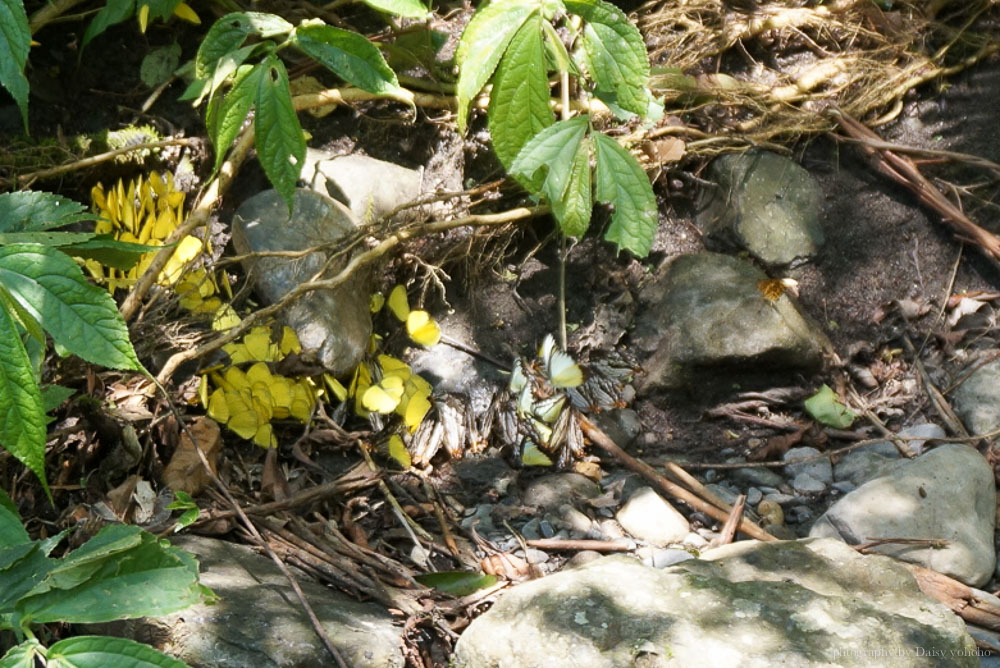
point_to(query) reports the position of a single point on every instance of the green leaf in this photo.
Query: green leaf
(22, 415)
(108, 652)
(622, 183)
(456, 583)
(6, 502)
(519, 104)
(574, 208)
(159, 9)
(21, 568)
(159, 64)
(112, 13)
(183, 501)
(545, 163)
(11, 530)
(408, 9)
(827, 409)
(616, 53)
(15, 41)
(228, 34)
(22, 656)
(232, 112)
(54, 395)
(50, 287)
(348, 55)
(109, 251)
(123, 578)
(483, 42)
(281, 147)
(33, 211)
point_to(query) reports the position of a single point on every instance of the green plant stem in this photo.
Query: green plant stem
(564, 115)
(49, 12)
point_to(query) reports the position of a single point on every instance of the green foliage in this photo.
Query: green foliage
(456, 583)
(42, 290)
(827, 409)
(223, 62)
(15, 40)
(515, 44)
(409, 9)
(556, 163)
(117, 11)
(183, 501)
(121, 573)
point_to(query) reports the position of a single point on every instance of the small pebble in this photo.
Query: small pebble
(610, 530)
(546, 529)
(804, 483)
(669, 557)
(695, 540)
(780, 498)
(532, 529)
(844, 486)
(711, 475)
(799, 514)
(754, 496)
(582, 557)
(819, 469)
(575, 519)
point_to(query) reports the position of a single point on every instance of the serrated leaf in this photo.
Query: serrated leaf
(616, 53)
(22, 415)
(483, 42)
(11, 531)
(159, 64)
(350, 56)
(22, 656)
(519, 103)
(826, 408)
(145, 579)
(15, 41)
(112, 13)
(573, 209)
(225, 67)
(54, 395)
(622, 183)
(557, 50)
(456, 583)
(34, 211)
(545, 163)
(228, 34)
(232, 113)
(408, 9)
(50, 287)
(108, 652)
(281, 147)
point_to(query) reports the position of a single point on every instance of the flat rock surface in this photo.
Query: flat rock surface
(811, 603)
(258, 622)
(947, 494)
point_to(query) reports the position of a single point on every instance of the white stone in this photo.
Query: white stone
(647, 516)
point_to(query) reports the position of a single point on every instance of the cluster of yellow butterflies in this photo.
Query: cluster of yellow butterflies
(247, 401)
(147, 211)
(421, 327)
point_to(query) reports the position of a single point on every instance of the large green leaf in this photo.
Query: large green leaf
(622, 183)
(616, 54)
(456, 583)
(148, 579)
(409, 9)
(348, 55)
(225, 123)
(22, 416)
(81, 564)
(86, 245)
(11, 530)
(228, 34)
(50, 287)
(15, 40)
(825, 407)
(112, 13)
(573, 209)
(519, 104)
(107, 652)
(545, 164)
(22, 567)
(281, 147)
(225, 67)
(34, 211)
(482, 44)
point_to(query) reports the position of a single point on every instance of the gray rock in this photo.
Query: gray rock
(818, 469)
(705, 313)
(647, 516)
(766, 204)
(922, 430)
(779, 498)
(754, 496)
(803, 483)
(481, 518)
(259, 622)
(723, 492)
(812, 603)
(611, 530)
(758, 476)
(977, 400)
(551, 491)
(576, 520)
(670, 556)
(862, 465)
(334, 324)
(946, 494)
(370, 188)
(621, 425)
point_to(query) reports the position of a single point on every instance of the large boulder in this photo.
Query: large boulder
(801, 603)
(947, 494)
(334, 324)
(705, 312)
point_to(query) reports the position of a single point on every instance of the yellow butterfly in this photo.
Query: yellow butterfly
(422, 328)
(562, 371)
(532, 456)
(398, 451)
(385, 396)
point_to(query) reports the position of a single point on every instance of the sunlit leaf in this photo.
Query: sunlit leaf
(622, 183)
(350, 56)
(826, 408)
(456, 583)
(281, 147)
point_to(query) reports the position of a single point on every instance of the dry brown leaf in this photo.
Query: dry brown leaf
(667, 149)
(776, 446)
(272, 480)
(185, 473)
(120, 498)
(590, 469)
